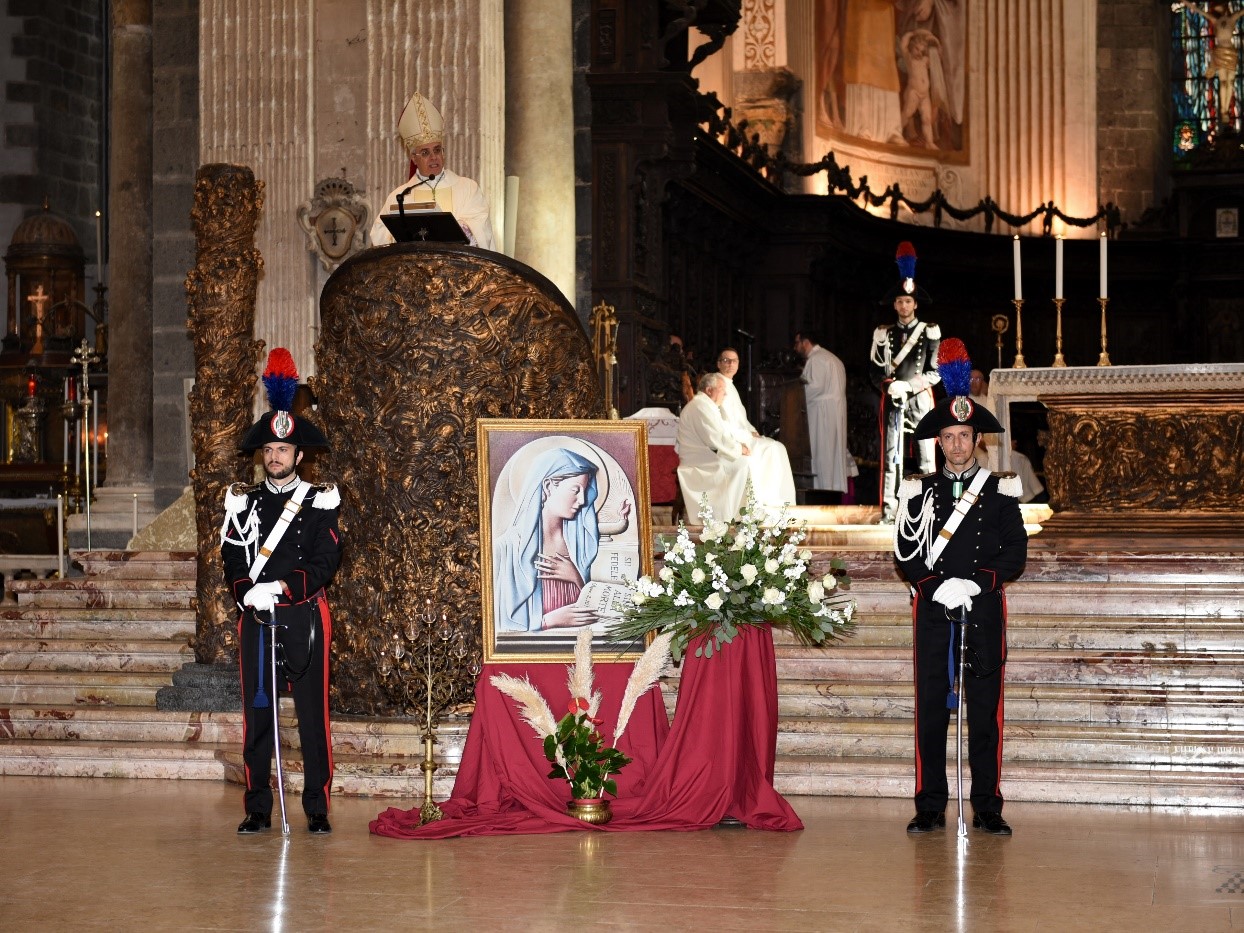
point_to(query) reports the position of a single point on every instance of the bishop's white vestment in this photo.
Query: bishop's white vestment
(462, 197)
(772, 481)
(710, 461)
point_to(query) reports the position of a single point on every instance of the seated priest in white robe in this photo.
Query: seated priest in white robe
(772, 480)
(712, 463)
(422, 133)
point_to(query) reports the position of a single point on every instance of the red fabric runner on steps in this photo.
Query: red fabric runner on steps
(716, 761)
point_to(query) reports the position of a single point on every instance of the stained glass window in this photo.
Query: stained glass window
(1206, 44)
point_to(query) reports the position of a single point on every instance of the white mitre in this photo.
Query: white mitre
(420, 123)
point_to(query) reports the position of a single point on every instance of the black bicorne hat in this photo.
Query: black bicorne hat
(905, 259)
(955, 368)
(280, 425)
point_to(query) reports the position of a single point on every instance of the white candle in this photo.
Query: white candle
(1058, 266)
(98, 246)
(1019, 288)
(95, 437)
(135, 522)
(1101, 286)
(65, 424)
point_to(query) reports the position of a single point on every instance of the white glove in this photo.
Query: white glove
(951, 593)
(899, 389)
(263, 596)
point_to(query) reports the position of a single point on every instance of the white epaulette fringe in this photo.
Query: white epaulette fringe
(327, 498)
(235, 502)
(1009, 485)
(909, 487)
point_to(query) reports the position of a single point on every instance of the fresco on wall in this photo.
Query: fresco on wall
(894, 73)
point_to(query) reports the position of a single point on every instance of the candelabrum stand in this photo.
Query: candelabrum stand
(604, 323)
(436, 686)
(1104, 359)
(86, 358)
(1019, 334)
(1058, 333)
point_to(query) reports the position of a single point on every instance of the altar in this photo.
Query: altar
(1143, 451)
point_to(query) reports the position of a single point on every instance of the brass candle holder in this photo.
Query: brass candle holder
(604, 323)
(1058, 334)
(1104, 359)
(85, 357)
(1019, 334)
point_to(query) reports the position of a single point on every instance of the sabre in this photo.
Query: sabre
(958, 695)
(900, 422)
(271, 625)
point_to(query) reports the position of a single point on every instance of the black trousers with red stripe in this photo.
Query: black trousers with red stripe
(310, 692)
(983, 710)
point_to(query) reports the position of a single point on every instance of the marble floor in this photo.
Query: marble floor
(106, 854)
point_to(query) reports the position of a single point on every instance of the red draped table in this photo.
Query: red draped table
(716, 761)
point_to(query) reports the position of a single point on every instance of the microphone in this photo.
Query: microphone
(401, 195)
(746, 335)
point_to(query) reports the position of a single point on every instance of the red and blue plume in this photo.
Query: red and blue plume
(905, 257)
(280, 379)
(955, 367)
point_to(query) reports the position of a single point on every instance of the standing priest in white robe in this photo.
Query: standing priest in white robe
(772, 481)
(825, 390)
(422, 132)
(712, 462)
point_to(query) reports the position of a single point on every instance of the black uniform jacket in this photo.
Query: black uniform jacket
(306, 556)
(921, 360)
(989, 548)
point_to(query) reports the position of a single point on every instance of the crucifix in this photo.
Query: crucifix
(39, 300)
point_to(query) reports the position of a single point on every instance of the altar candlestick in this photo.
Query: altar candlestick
(95, 435)
(1058, 267)
(1101, 288)
(1019, 288)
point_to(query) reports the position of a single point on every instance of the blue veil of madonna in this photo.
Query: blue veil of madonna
(516, 588)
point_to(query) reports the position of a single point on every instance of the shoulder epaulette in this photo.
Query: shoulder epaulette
(909, 487)
(932, 331)
(237, 496)
(326, 496)
(1009, 485)
(922, 476)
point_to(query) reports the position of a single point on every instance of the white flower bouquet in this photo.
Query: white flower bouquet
(739, 573)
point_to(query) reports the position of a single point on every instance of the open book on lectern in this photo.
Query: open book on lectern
(424, 224)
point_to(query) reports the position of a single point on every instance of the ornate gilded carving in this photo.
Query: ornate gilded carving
(1161, 452)
(759, 33)
(416, 343)
(220, 292)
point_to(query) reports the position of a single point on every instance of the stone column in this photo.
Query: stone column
(539, 148)
(130, 265)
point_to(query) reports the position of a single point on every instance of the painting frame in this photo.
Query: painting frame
(524, 464)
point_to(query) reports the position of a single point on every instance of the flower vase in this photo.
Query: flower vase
(595, 810)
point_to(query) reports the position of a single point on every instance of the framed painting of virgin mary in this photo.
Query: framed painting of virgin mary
(564, 526)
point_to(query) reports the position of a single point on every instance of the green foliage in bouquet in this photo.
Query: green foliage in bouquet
(579, 754)
(743, 572)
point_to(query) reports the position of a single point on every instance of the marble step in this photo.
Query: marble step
(1055, 782)
(352, 736)
(117, 724)
(1025, 666)
(1156, 636)
(353, 776)
(1082, 602)
(69, 655)
(172, 760)
(56, 594)
(1109, 743)
(137, 565)
(97, 624)
(1165, 706)
(81, 688)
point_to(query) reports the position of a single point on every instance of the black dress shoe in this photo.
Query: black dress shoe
(925, 821)
(254, 822)
(730, 822)
(992, 823)
(319, 823)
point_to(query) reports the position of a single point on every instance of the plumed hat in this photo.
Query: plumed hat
(419, 123)
(279, 426)
(955, 368)
(905, 259)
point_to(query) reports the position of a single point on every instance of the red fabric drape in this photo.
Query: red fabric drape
(717, 760)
